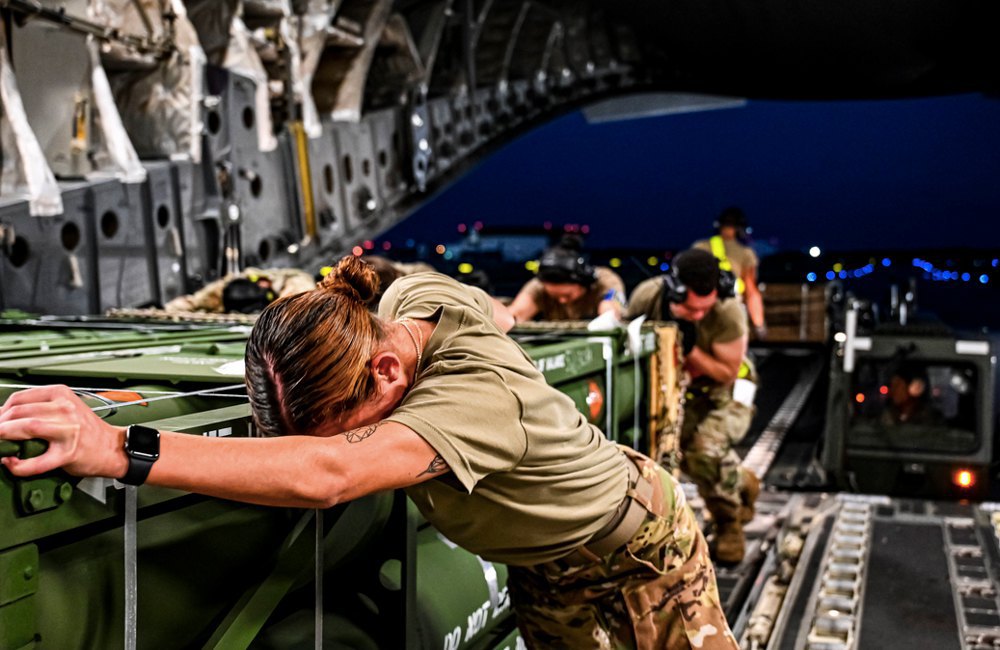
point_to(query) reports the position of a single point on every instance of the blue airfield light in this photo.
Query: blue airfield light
(966, 277)
(995, 262)
(886, 261)
(983, 279)
(830, 275)
(664, 266)
(410, 243)
(842, 274)
(811, 277)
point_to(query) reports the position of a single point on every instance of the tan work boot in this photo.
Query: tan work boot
(729, 543)
(748, 495)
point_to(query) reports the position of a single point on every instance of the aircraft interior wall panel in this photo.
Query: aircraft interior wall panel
(388, 163)
(199, 218)
(51, 268)
(53, 89)
(162, 219)
(326, 183)
(123, 262)
(357, 158)
(443, 138)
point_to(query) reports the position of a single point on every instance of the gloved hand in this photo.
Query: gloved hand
(688, 335)
(760, 332)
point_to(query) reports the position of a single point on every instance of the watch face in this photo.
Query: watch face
(142, 442)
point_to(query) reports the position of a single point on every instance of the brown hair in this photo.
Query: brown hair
(307, 356)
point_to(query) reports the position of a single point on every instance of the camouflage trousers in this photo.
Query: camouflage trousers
(656, 591)
(710, 429)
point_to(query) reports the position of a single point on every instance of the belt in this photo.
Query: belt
(629, 515)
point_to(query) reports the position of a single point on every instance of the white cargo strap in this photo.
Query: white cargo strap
(492, 582)
(608, 352)
(318, 614)
(131, 570)
(635, 346)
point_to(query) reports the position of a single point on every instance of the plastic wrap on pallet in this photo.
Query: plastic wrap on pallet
(160, 103)
(212, 19)
(27, 172)
(120, 148)
(307, 35)
(242, 58)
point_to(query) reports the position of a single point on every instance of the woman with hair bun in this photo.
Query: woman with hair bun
(430, 395)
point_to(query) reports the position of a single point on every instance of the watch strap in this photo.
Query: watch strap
(138, 470)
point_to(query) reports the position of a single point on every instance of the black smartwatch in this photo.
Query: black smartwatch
(142, 446)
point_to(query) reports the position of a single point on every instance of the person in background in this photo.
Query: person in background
(735, 256)
(431, 395)
(700, 297)
(567, 287)
(246, 292)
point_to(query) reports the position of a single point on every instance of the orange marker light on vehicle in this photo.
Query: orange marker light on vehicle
(964, 478)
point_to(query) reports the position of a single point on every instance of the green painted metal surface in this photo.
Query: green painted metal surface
(218, 574)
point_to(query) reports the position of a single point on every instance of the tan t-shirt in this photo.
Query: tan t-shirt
(726, 321)
(531, 479)
(586, 306)
(741, 257)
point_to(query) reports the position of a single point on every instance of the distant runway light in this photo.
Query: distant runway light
(966, 277)
(440, 249)
(860, 398)
(615, 262)
(840, 337)
(983, 279)
(652, 261)
(815, 251)
(830, 275)
(358, 251)
(811, 277)
(842, 275)
(462, 227)
(886, 261)
(465, 267)
(664, 266)
(995, 262)
(838, 267)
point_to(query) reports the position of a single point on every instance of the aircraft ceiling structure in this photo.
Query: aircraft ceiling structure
(152, 145)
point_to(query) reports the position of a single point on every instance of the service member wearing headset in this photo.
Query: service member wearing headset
(700, 298)
(567, 287)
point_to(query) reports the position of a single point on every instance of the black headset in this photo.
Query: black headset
(675, 291)
(561, 265)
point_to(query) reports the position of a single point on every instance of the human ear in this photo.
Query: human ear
(387, 368)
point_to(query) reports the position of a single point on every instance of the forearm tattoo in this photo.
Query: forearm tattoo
(437, 466)
(360, 434)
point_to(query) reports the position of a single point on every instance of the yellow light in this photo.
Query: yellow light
(325, 271)
(440, 249)
(964, 478)
(615, 262)
(652, 261)
(838, 267)
(465, 267)
(531, 265)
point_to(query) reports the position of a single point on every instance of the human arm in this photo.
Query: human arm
(753, 299)
(524, 307)
(502, 316)
(722, 364)
(290, 471)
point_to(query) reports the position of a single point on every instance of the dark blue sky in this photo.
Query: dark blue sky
(843, 175)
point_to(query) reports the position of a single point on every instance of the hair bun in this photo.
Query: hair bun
(353, 278)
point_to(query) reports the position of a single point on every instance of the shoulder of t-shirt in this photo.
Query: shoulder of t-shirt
(608, 279)
(421, 294)
(730, 317)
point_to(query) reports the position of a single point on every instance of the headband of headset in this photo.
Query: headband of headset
(675, 291)
(561, 265)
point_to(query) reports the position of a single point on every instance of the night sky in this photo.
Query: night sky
(849, 175)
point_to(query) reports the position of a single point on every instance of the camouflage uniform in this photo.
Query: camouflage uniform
(656, 591)
(209, 298)
(713, 423)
